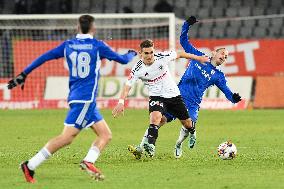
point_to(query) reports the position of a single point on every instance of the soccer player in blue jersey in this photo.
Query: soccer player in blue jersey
(83, 55)
(196, 79)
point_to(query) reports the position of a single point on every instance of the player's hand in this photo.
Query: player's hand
(236, 97)
(132, 51)
(18, 80)
(203, 59)
(118, 110)
(191, 20)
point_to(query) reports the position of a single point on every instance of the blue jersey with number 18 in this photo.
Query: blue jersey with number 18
(83, 55)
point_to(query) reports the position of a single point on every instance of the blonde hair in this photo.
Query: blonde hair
(219, 49)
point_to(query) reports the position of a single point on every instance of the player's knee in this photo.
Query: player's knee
(107, 137)
(163, 121)
(156, 118)
(187, 123)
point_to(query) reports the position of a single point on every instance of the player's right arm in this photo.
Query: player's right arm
(185, 43)
(55, 53)
(119, 108)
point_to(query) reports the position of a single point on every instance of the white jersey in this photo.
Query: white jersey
(157, 76)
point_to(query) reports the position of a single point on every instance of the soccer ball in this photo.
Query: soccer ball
(227, 150)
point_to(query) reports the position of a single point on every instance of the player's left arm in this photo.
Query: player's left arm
(108, 53)
(222, 85)
(20, 79)
(201, 59)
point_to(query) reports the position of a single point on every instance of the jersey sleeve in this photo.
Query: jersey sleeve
(168, 56)
(222, 85)
(106, 52)
(185, 43)
(133, 76)
(55, 53)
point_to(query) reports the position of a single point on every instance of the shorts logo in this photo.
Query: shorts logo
(84, 123)
(158, 103)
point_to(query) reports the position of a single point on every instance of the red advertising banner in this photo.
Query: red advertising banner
(246, 58)
(249, 57)
(267, 96)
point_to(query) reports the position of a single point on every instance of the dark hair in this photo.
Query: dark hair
(85, 23)
(146, 43)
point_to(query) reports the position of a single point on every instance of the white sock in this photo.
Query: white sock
(39, 158)
(144, 139)
(92, 155)
(183, 134)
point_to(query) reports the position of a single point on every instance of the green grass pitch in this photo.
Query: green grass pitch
(258, 135)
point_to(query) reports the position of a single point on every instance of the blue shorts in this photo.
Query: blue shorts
(82, 115)
(192, 110)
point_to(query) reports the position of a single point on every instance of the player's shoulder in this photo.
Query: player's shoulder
(163, 54)
(138, 66)
(75, 40)
(219, 70)
(70, 40)
(220, 73)
(99, 43)
(159, 56)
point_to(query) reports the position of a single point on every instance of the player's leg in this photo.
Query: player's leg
(188, 128)
(149, 139)
(163, 121)
(192, 136)
(104, 135)
(65, 138)
(73, 124)
(178, 146)
(178, 110)
(152, 133)
(193, 111)
(183, 134)
(156, 107)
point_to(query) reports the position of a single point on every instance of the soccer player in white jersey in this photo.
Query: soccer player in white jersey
(83, 55)
(164, 95)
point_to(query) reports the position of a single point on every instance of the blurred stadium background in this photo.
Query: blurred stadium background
(251, 30)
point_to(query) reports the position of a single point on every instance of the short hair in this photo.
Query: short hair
(219, 49)
(146, 43)
(85, 23)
